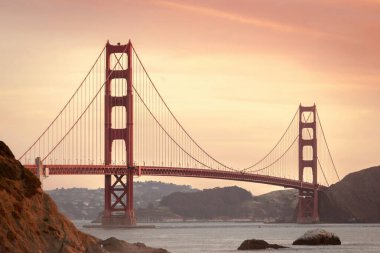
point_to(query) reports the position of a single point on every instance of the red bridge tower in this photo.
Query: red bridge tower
(307, 141)
(118, 195)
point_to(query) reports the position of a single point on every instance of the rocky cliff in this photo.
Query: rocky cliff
(356, 198)
(30, 221)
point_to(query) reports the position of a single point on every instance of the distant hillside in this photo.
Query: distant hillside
(276, 206)
(233, 203)
(83, 203)
(356, 198)
(211, 203)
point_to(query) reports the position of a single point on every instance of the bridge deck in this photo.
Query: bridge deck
(176, 172)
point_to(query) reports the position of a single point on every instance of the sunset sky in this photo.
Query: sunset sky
(233, 72)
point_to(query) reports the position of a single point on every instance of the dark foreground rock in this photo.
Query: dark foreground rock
(254, 244)
(114, 245)
(30, 221)
(318, 237)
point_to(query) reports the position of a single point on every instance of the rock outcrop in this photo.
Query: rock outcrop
(30, 221)
(254, 244)
(114, 245)
(318, 237)
(356, 198)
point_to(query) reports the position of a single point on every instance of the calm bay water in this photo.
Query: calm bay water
(227, 236)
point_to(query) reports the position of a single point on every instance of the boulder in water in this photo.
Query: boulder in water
(254, 244)
(114, 245)
(318, 237)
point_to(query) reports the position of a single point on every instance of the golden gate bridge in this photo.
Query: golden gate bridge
(118, 125)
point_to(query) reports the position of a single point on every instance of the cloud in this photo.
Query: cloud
(257, 22)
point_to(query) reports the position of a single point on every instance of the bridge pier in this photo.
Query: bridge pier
(118, 197)
(118, 188)
(308, 207)
(307, 141)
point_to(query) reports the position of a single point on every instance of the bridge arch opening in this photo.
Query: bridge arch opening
(118, 153)
(118, 87)
(307, 153)
(308, 174)
(119, 117)
(307, 117)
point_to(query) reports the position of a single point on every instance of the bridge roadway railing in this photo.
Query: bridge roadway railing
(174, 172)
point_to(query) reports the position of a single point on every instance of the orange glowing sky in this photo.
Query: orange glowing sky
(233, 72)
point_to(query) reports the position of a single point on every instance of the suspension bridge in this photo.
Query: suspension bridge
(118, 125)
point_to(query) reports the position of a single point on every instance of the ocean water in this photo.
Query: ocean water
(227, 236)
